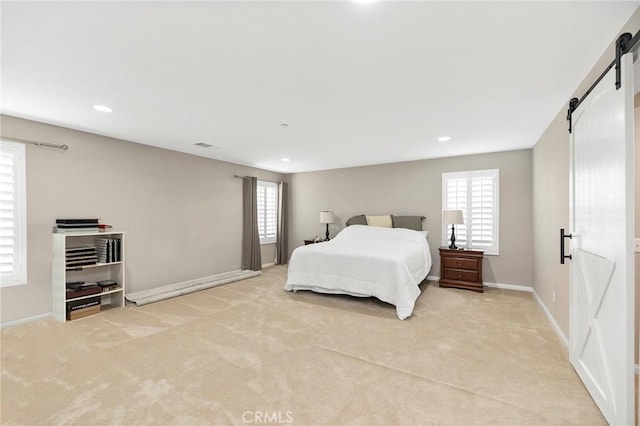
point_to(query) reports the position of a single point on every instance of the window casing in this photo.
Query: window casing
(476, 193)
(13, 215)
(267, 211)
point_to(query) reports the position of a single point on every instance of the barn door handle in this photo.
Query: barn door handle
(562, 237)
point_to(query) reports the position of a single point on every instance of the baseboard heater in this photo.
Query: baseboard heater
(173, 290)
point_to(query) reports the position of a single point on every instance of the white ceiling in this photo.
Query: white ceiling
(356, 84)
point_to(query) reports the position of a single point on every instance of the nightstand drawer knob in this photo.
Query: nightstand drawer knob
(460, 275)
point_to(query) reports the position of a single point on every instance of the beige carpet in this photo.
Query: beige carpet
(251, 353)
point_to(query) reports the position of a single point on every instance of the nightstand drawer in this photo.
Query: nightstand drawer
(460, 275)
(461, 263)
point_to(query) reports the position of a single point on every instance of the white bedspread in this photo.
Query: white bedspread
(364, 261)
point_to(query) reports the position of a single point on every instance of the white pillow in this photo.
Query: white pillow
(425, 233)
(381, 221)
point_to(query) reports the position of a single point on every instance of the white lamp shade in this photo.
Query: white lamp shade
(326, 217)
(452, 217)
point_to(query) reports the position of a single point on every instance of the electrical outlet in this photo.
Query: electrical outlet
(553, 295)
(637, 240)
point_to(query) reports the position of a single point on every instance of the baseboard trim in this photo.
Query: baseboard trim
(516, 287)
(495, 285)
(268, 265)
(553, 322)
(25, 320)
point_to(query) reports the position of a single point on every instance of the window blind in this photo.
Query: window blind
(267, 199)
(13, 265)
(476, 194)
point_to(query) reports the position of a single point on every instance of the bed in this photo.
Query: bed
(365, 261)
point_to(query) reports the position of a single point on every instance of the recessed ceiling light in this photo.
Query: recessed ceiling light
(284, 125)
(444, 138)
(203, 145)
(286, 160)
(102, 108)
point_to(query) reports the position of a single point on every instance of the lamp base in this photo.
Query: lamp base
(453, 246)
(327, 234)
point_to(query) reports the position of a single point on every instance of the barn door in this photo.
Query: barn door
(601, 314)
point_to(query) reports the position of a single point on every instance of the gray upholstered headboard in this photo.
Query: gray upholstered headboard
(409, 222)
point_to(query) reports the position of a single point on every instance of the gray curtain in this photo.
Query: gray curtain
(281, 238)
(250, 238)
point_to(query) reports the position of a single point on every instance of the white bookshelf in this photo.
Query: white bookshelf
(89, 273)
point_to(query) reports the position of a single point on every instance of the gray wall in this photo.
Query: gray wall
(181, 214)
(415, 188)
(551, 197)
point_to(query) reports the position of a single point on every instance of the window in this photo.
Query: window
(476, 194)
(13, 215)
(267, 211)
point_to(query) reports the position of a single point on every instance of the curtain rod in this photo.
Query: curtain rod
(50, 145)
(249, 177)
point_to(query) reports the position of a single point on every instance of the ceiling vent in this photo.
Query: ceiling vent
(203, 145)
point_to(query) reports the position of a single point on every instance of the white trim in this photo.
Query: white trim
(510, 287)
(515, 287)
(553, 322)
(469, 176)
(25, 320)
(267, 265)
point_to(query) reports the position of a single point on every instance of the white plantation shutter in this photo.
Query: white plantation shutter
(13, 230)
(456, 199)
(476, 194)
(267, 211)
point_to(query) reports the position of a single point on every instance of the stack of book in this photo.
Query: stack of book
(108, 250)
(80, 288)
(77, 257)
(76, 225)
(83, 307)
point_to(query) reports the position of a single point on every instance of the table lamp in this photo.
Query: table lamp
(453, 217)
(327, 217)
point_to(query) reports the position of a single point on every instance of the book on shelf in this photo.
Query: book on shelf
(78, 285)
(84, 312)
(74, 305)
(58, 230)
(87, 291)
(81, 262)
(72, 221)
(108, 249)
(108, 285)
(77, 225)
(86, 257)
(80, 249)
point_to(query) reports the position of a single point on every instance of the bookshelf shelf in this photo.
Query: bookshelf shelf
(97, 265)
(64, 241)
(89, 296)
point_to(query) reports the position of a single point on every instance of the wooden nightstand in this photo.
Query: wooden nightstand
(461, 269)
